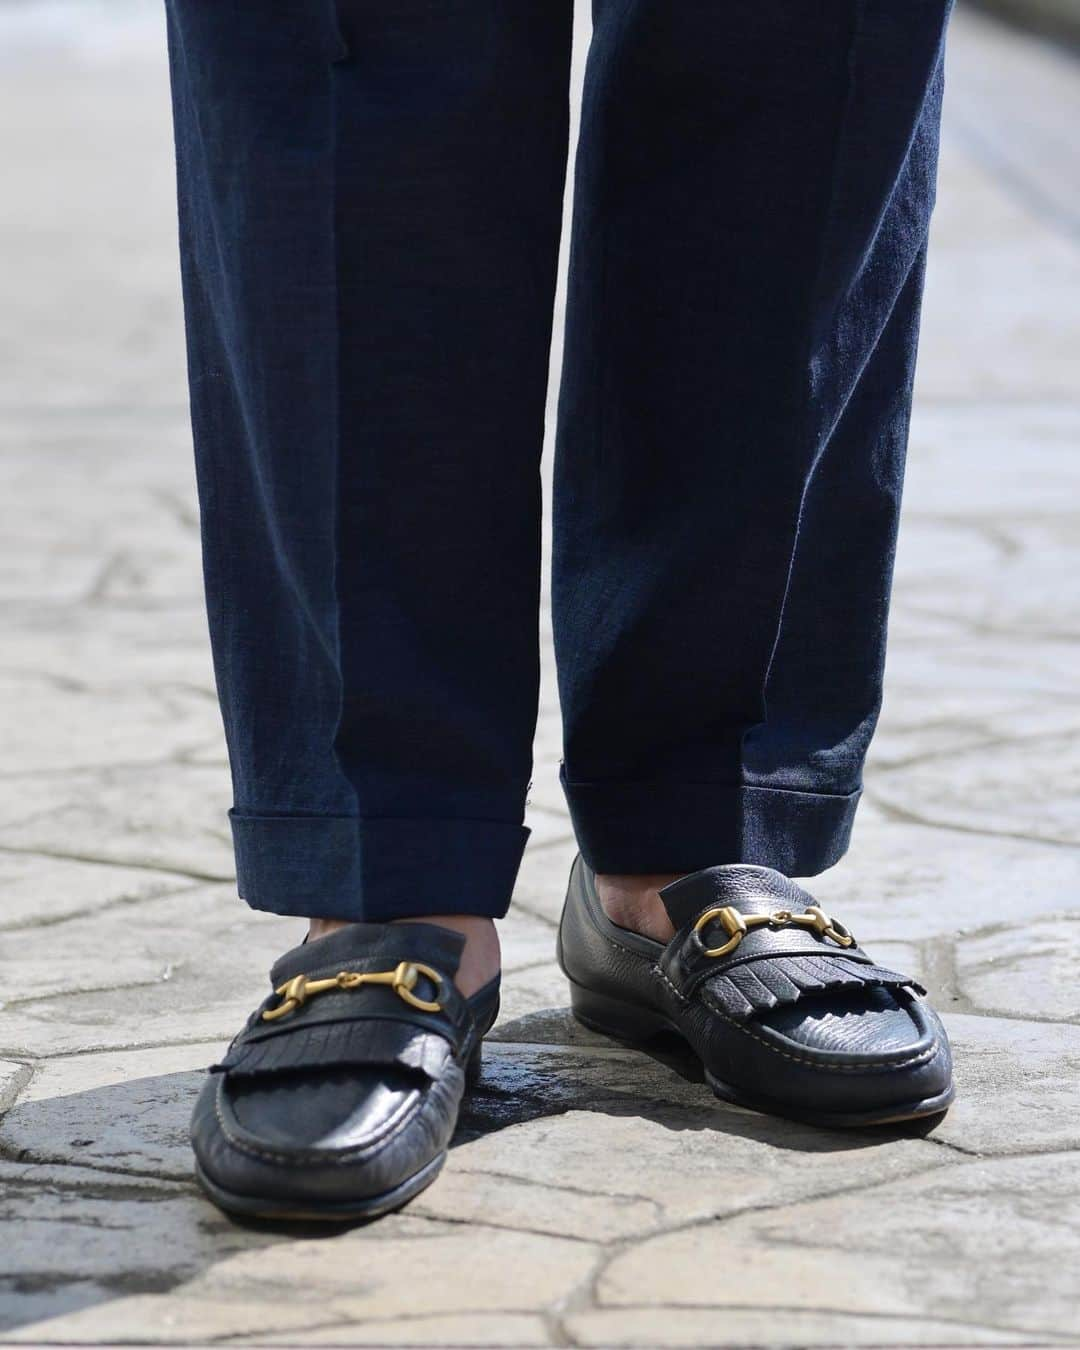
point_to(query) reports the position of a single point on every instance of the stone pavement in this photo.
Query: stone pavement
(595, 1195)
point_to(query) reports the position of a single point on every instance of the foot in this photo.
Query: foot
(787, 1013)
(633, 902)
(480, 959)
(338, 1098)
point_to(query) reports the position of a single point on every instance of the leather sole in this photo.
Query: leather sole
(371, 1207)
(630, 1022)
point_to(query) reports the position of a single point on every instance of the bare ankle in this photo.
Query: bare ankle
(318, 928)
(632, 901)
(481, 957)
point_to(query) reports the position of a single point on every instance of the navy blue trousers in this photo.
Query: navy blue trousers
(370, 202)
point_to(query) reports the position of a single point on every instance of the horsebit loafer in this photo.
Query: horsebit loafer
(339, 1097)
(785, 1010)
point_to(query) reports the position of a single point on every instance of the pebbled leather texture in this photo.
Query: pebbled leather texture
(346, 1106)
(788, 1021)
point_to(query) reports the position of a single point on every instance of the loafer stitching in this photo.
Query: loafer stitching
(653, 966)
(662, 975)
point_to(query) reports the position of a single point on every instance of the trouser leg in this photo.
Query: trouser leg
(754, 187)
(370, 196)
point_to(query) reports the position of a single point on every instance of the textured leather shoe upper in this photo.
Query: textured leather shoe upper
(770, 966)
(346, 1080)
(778, 1000)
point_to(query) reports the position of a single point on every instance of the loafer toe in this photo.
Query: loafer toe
(884, 1050)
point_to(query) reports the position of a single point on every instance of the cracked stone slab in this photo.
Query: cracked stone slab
(527, 944)
(176, 1320)
(133, 1128)
(649, 1325)
(123, 532)
(109, 646)
(941, 713)
(185, 1318)
(577, 1114)
(542, 877)
(1017, 1085)
(910, 882)
(433, 1329)
(368, 1274)
(1024, 969)
(129, 1110)
(97, 308)
(64, 726)
(13, 1077)
(960, 656)
(167, 816)
(170, 814)
(120, 1118)
(70, 1075)
(998, 69)
(146, 577)
(991, 1242)
(566, 1170)
(1004, 790)
(971, 460)
(88, 1236)
(546, 790)
(535, 998)
(40, 891)
(1021, 345)
(1003, 580)
(541, 1112)
(181, 968)
(548, 824)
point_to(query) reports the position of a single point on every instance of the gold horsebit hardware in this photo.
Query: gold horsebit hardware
(737, 925)
(402, 979)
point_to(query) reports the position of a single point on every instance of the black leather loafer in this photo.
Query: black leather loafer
(339, 1097)
(785, 1010)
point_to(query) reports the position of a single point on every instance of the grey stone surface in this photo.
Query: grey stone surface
(181, 968)
(994, 1242)
(645, 1326)
(13, 1076)
(1024, 969)
(39, 890)
(595, 1194)
(1016, 1087)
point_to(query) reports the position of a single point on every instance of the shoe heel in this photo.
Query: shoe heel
(474, 1064)
(614, 1017)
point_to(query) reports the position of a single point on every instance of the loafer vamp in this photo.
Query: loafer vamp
(825, 1062)
(325, 1110)
(344, 1086)
(870, 1020)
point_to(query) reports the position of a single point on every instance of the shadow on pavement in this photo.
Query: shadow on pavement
(100, 1181)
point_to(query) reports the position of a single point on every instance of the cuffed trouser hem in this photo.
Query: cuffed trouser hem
(347, 867)
(683, 827)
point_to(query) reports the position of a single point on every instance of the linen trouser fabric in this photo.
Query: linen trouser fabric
(370, 203)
